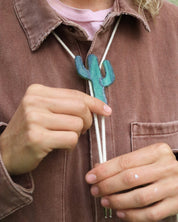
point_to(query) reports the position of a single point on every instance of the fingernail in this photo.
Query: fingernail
(91, 178)
(105, 202)
(107, 109)
(94, 190)
(120, 214)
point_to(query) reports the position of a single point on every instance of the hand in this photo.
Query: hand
(142, 186)
(47, 118)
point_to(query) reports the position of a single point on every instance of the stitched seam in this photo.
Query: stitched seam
(20, 18)
(92, 164)
(63, 187)
(139, 18)
(93, 44)
(135, 15)
(110, 19)
(132, 137)
(30, 182)
(41, 37)
(111, 127)
(15, 209)
(96, 210)
(156, 134)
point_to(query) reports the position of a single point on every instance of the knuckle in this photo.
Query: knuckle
(153, 215)
(141, 199)
(172, 167)
(83, 107)
(79, 124)
(73, 140)
(163, 149)
(96, 105)
(93, 102)
(27, 101)
(90, 121)
(31, 117)
(175, 167)
(34, 137)
(104, 187)
(33, 88)
(123, 162)
(129, 178)
(101, 170)
(39, 154)
(78, 94)
(116, 203)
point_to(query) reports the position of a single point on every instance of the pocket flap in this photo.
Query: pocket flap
(144, 134)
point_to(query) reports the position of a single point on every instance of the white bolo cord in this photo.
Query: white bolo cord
(98, 138)
(103, 128)
(102, 150)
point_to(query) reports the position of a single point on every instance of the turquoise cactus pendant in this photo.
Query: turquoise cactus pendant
(93, 73)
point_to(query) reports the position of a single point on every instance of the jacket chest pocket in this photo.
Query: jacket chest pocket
(145, 134)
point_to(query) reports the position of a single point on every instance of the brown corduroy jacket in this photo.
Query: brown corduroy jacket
(144, 99)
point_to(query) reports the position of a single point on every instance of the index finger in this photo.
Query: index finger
(95, 105)
(141, 157)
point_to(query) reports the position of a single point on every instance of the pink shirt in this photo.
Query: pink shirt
(90, 21)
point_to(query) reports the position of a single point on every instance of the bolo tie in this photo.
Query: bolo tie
(97, 84)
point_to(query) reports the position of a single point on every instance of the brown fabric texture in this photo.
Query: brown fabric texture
(144, 99)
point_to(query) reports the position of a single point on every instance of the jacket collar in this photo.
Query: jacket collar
(38, 20)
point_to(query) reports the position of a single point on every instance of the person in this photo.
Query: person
(49, 167)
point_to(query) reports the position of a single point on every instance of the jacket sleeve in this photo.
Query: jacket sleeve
(15, 192)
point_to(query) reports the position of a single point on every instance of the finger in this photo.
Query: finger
(44, 141)
(156, 212)
(143, 196)
(133, 177)
(52, 121)
(141, 157)
(51, 92)
(61, 139)
(95, 105)
(68, 106)
(72, 107)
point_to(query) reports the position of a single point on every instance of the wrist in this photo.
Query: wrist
(4, 153)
